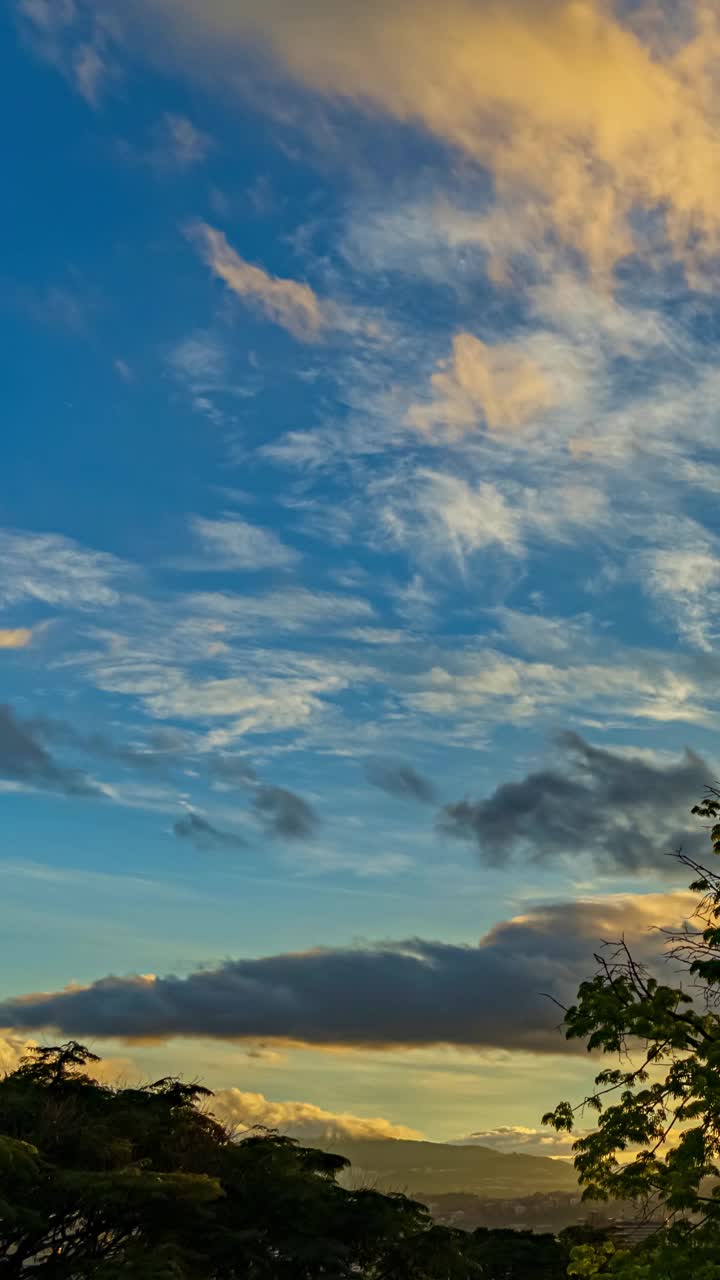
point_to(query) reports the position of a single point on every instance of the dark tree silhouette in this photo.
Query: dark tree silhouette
(140, 1183)
(658, 1136)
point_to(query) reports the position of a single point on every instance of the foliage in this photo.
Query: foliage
(657, 1140)
(143, 1184)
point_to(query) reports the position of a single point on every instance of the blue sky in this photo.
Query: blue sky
(359, 558)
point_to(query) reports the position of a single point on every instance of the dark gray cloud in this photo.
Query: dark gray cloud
(24, 758)
(233, 770)
(283, 813)
(407, 993)
(163, 750)
(204, 835)
(399, 779)
(627, 814)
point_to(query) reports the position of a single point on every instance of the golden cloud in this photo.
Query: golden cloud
(289, 303)
(302, 1119)
(15, 637)
(581, 117)
(500, 384)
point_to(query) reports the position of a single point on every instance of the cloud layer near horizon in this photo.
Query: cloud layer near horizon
(393, 995)
(242, 1110)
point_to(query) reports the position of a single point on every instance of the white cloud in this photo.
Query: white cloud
(375, 635)
(294, 609)
(685, 581)
(438, 514)
(499, 687)
(446, 515)
(517, 1137)
(89, 71)
(54, 570)
(74, 40)
(232, 543)
(266, 705)
(200, 359)
(180, 145)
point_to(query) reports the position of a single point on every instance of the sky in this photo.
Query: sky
(359, 554)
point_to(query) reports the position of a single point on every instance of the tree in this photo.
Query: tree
(662, 1099)
(143, 1184)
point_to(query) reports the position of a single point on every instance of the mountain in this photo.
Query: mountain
(441, 1168)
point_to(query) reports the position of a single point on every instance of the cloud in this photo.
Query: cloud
(289, 303)
(73, 39)
(236, 544)
(231, 770)
(163, 748)
(301, 1120)
(282, 813)
(89, 72)
(201, 833)
(52, 569)
(443, 514)
(23, 759)
(269, 704)
(12, 1050)
(15, 637)
(399, 779)
(501, 385)
(394, 995)
(516, 1137)
(684, 580)
(180, 144)
(626, 814)
(490, 686)
(438, 514)
(586, 114)
(201, 360)
(289, 609)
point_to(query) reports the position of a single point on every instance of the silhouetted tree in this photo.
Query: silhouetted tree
(662, 1099)
(143, 1184)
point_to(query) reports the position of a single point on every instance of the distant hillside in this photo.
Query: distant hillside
(440, 1168)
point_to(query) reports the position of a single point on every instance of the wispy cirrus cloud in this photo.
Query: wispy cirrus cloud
(232, 543)
(75, 40)
(54, 570)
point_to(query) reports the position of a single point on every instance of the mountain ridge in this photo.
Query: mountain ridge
(441, 1167)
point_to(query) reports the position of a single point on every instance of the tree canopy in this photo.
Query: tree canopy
(140, 1183)
(657, 1140)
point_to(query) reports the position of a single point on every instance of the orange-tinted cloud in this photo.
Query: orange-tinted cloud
(289, 303)
(499, 384)
(301, 1119)
(15, 637)
(580, 115)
